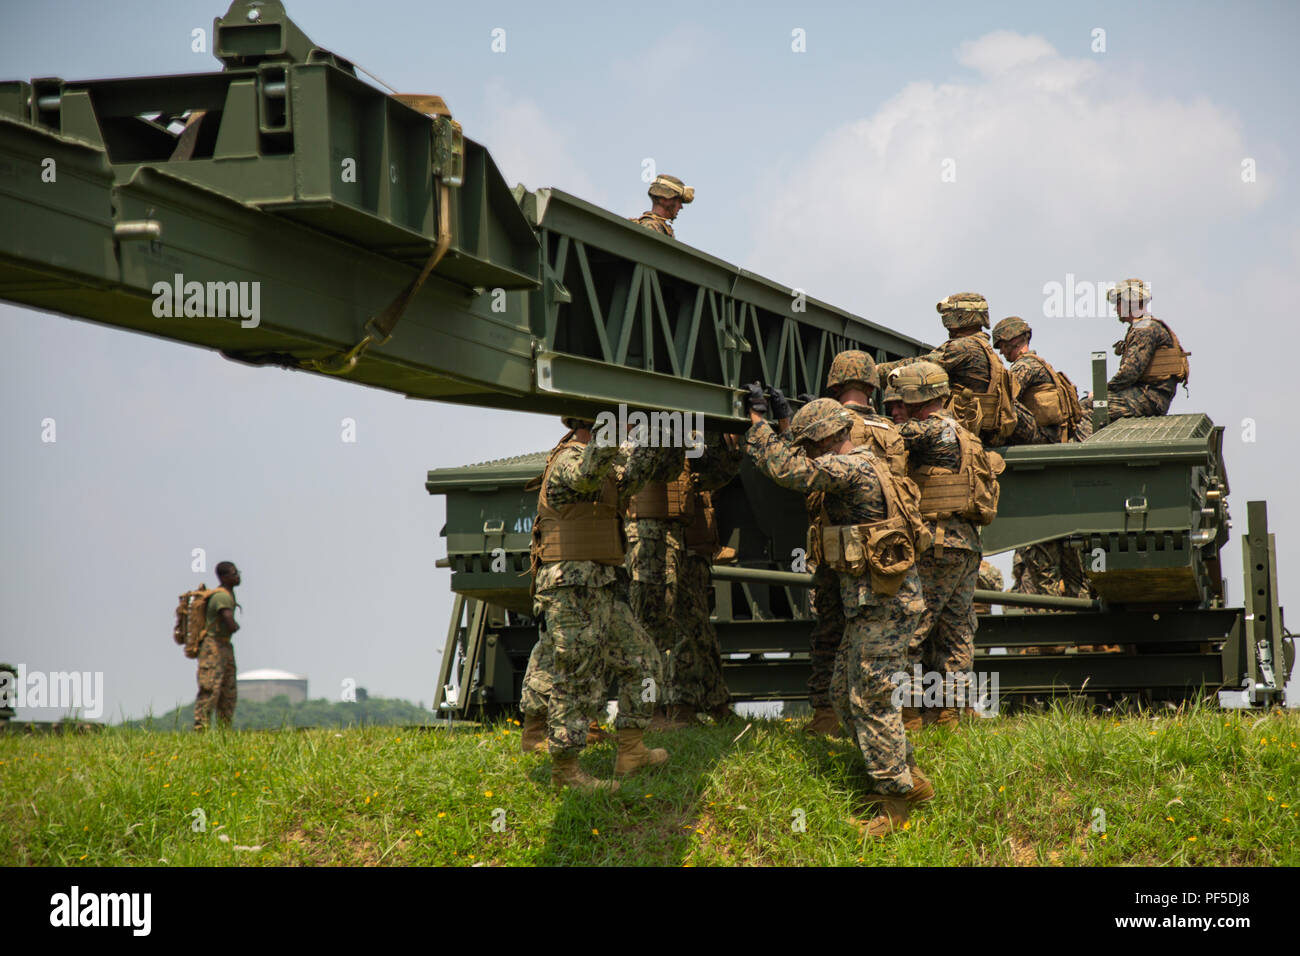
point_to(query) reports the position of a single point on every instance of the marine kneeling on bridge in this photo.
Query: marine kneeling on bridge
(869, 533)
(580, 588)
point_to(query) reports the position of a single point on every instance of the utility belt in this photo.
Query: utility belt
(884, 548)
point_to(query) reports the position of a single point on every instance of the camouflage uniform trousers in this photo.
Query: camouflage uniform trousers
(647, 565)
(594, 638)
(827, 635)
(944, 639)
(1138, 401)
(873, 651)
(1043, 568)
(538, 678)
(696, 661)
(217, 686)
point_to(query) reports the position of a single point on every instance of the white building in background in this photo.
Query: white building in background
(262, 685)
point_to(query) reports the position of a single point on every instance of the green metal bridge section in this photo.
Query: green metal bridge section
(285, 212)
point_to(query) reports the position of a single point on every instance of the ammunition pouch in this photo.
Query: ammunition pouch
(883, 548)
(1045, 402)
(1166, 363)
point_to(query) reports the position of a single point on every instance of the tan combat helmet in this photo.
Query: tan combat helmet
(577, 421)
(961, 310)
(852, 366)
(1130, 289)
(670, 187)
(891, 395)
(919, 382)
(1012, 327)
(820, 418)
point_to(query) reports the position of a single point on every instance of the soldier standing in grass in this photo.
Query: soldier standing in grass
(852, 380)
(869, 530)
(218, 689)
(579, 585)
(1152, 360)
(958, 492)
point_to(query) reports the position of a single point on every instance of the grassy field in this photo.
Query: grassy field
(1193, 787)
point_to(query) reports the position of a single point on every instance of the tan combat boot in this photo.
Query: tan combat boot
(912, 719)
(665, 718)
(825, 722)
(565, 772)
(725, 556)
(894, 812)
(534, 736)
(595, 735)
(922, 789)
(633, 754)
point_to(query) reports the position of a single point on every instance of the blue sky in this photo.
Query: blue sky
(820, 169)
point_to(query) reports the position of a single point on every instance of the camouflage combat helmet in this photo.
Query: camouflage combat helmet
(891, 395)
(1130, 289)
(1012, 327)
(577, 421)
(961, 310)
(820, 418)
(919, 382)
(852, 366)
(670, 187)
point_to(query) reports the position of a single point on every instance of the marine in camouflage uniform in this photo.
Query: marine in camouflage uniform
(967, 357)
(874, 650)
(696, 660)
(593, 636)
(944, 639)
(218, 686)
(667, 196)
(851, 381)
(1129, 393)
(1038, 568)
(989, 578)
(647, 554)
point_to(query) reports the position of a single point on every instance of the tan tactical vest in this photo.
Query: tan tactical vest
(701, 537)
(1168, 361)
(972, 492)
(1055, 402)
(582, 531)
(886, 548)
(664, 499)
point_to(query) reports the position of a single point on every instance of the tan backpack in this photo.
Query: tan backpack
(192, 619)
(1168, 361)
(972, 492)
(998, 404)
(1054, 404)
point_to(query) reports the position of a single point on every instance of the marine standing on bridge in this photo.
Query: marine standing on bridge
(218, 688)
(852, 380)
(959, 492)
(870, 531)
(578, 583)
(1152, 360)
(667, 196)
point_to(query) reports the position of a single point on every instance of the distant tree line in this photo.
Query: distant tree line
(278, 712)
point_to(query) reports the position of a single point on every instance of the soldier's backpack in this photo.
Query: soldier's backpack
(972, 492)
(192, 619)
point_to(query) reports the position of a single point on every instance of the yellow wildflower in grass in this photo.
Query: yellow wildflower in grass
(907, 824)
(1170, 819)
(236, 773)
(487, 793)
(1191, 839)
(1151, 734)
(1285, 805)
(419, 833)
(1264, 741)
(1103, 836)
(649, 795)
(87, 827)
(1227, 820)
(1000, 789)
(441, 814)
(166, 785)
(1270, 798)
(83, 856)
(595, 832)
(367, 799)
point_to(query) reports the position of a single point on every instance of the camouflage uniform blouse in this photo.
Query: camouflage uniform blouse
(852, 495)
(1143, 337)
(655, 223)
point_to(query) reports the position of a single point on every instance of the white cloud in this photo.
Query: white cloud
(530, 144)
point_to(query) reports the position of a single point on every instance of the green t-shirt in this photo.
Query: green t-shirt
(216, 603)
